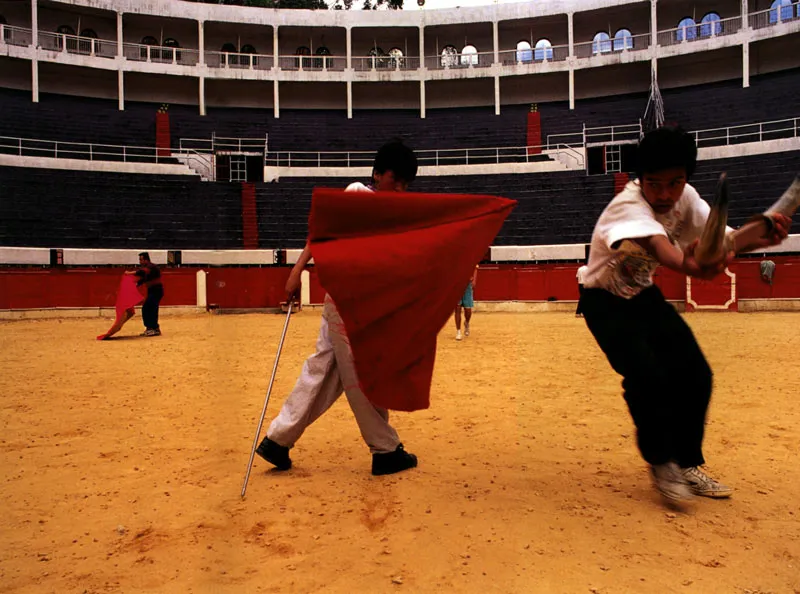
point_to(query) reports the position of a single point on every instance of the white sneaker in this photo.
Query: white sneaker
(458, 334)
(466, 329)
(670, 481)
(705, 486)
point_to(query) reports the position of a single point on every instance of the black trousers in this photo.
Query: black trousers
(666, 379)
(150, 306)
(578, 310)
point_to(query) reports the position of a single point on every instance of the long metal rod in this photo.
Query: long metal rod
(266, 401)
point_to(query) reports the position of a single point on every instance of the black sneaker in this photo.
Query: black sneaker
(274, 453)
(393, 461)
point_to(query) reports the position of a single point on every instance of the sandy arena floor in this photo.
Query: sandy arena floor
(124, 460)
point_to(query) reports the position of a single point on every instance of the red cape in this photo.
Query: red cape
(396, 266)
(128, 296)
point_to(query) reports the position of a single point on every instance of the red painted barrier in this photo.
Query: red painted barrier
(253, 287)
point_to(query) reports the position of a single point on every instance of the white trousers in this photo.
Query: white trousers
(325, 375)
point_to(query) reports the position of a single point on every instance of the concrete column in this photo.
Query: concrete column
(202, 295)
(349, 47)
(654, 68)
(745, 14)
(653, 23)
(421, 46)
(276, 98)
(305, 288)
(35, 43)
(202, 94)
(571, 33)
(496, 40)
(121, 89)
(745, 64)
(497, 94)
(349, 99)
(275, 52)
(422, 99)
(35, 23)
(572, 88)
(120, 38)
(201, 43)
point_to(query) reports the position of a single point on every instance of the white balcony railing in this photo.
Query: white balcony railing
(619, 45)
(161, 54)
(775, 16)
(428, 158)
(16, 35)
(555, 53)
(238, 61)
(700, 31)
(385, 63)
(75, 44)
(453, 61)
(313, 63)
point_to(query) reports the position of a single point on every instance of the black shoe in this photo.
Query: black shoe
(274, 453)
(393, 461)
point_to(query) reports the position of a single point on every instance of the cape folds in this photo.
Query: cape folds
(396, 265)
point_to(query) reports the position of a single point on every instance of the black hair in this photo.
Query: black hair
(665, 148)
(145, 255)
(396, 157)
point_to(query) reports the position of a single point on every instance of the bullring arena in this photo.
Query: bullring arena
(197, 132)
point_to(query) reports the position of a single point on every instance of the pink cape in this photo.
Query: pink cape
(396, 266)
(128, 296)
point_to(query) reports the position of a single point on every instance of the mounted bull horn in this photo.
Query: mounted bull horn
(714, 245)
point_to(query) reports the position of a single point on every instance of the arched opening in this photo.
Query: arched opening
(322, 62)
(687, 30)
(623, 40)
(524, 52)
(710, 25)
(449, 57)
(396, 58)
(601, 44)
(543, 51)
(469, 55)
(68, 33)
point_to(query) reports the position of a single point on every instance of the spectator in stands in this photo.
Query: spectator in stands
(580, 276)
(150, 277)
(667, 382)
(330, 369)
(467, 303)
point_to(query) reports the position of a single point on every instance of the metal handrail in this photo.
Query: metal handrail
(92, 151)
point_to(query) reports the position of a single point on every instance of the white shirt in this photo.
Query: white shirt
(622, 266)
(358, 187)
(581, 274)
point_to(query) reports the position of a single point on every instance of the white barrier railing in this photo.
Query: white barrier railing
(160, 54)
(699, 31)
(774, 16)
(613, 45)
(75, 44)
(758, 132)
(430, 157)
(238, 61)
(553, 53)
(16, 35)
(459, 60)
(30, 147)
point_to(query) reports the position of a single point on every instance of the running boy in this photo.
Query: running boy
(667, 382)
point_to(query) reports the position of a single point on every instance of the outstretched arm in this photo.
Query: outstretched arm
(293, 283)
(684, 261)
